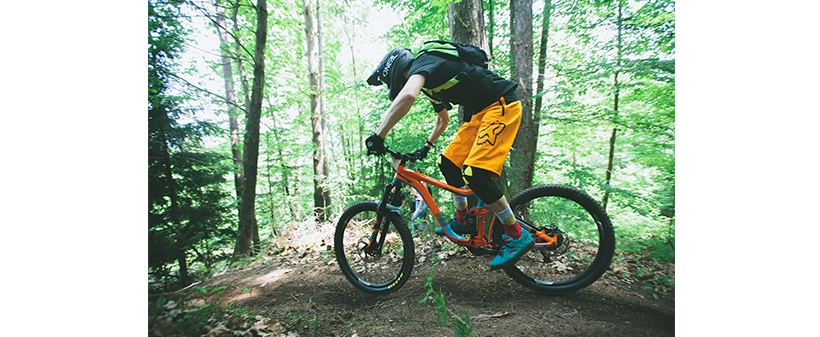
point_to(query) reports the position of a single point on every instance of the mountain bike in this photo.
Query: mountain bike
(574, 239)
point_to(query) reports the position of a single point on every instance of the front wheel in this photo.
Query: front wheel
(574, 239)
(375, 252)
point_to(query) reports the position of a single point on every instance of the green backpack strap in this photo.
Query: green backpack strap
(445, 48)
(438, 46)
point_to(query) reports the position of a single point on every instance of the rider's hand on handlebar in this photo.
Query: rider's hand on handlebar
(421, 153)
(375, 145)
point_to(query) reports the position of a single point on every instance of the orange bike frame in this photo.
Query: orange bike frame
(415, 179)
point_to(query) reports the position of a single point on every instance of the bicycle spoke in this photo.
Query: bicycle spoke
(580, 238)
(368, 265)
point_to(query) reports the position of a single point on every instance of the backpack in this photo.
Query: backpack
(466, 53)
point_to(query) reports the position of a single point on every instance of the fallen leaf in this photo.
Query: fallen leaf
(218, 331)
(500, 315)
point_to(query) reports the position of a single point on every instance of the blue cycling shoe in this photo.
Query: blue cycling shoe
(512, 250)
(457, 227)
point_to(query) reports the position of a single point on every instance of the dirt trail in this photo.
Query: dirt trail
(309, 295)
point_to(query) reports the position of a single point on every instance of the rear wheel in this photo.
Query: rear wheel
(573, 235)
(377, 264)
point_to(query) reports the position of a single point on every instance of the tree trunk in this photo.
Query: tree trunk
(491, 29)
(230, 95)
(523, 153)
(183, 269)
(542, 66)
(243, 77)
(321, 197)
(325, 166)
(247, 212)
(350, 32)
(466, 21)
(611, 163)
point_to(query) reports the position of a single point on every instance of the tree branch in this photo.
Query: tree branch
(241, 108)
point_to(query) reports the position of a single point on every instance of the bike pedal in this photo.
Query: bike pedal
(482, 250)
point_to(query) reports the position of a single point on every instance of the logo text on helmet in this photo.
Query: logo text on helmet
(388, 64)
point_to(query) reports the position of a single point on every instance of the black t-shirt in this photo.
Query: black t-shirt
(479, 89)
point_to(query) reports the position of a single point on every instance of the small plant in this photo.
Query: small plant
(461, 326)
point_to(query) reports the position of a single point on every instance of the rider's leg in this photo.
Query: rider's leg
(498, 127)
(483, 186)
(452, 174)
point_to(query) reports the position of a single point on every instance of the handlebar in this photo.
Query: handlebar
(403, 157)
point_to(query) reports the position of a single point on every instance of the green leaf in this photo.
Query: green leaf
(160, 301)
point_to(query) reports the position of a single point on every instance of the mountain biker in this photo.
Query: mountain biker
(482, 143)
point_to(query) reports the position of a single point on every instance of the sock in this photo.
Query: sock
(461, 207)
(511, 226)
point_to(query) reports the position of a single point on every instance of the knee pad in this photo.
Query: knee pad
(451, 172)
(481, 184)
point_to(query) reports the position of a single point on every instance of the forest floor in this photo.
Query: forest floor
(297, 289)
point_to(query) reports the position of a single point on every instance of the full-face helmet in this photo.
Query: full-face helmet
(390, 71)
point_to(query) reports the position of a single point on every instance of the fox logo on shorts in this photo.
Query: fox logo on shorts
(490, 134)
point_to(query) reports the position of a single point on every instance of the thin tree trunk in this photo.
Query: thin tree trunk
(183, 269)
(539, 91)
(320, 195)
(325, 163)
(611, 163)
(247, 212)
(350, 32)
(491, 36)
(286, 173)
(609, 166)
(522, 155)
(243, 78)
(542, 66)
(230, 95)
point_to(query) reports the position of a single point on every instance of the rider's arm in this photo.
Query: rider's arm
(401, 105)
(442, 119)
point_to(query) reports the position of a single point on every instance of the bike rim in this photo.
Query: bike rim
(576, 261)
(376, 271)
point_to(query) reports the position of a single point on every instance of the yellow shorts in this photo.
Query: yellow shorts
(486, 140)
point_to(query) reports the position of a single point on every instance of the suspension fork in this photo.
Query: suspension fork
(381, 227)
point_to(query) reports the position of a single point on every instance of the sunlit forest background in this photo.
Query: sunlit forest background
(75, 131)
(294, 109)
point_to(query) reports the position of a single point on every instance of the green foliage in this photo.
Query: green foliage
(191, 203)
(195, 320)
(461, 325)
(422, 20)
(189, 210)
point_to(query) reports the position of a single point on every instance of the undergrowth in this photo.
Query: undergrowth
(461, 325)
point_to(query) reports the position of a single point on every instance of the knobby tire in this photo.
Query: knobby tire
(588, 239)
(384, 271)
